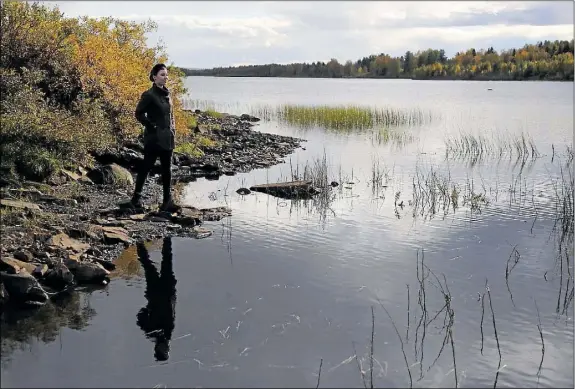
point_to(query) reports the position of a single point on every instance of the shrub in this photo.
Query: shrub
(69, 86)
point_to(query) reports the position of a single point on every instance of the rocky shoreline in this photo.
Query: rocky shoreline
(67, 232)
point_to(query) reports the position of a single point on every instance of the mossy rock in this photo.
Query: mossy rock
(111, 174)
(37, 165)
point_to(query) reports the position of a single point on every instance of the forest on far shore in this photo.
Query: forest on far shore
(548, 60)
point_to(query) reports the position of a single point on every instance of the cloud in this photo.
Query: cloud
(206, 34)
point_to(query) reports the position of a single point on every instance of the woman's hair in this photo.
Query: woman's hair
(156, 69)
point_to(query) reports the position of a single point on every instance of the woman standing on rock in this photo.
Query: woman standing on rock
(155, 112)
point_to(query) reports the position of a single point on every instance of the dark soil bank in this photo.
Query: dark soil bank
(65, 233)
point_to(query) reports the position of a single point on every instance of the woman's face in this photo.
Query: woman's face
(161, 77)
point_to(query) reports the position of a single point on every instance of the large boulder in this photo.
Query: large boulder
(111, 174)
(59, 277)
(24, 288)
(15, 266)
(87, 272)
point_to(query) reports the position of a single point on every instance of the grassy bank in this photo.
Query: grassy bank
(69, 88)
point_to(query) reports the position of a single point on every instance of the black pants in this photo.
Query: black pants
(151, 154)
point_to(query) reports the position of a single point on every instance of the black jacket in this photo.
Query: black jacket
(154, 111)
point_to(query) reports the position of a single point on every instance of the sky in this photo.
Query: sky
(230, 33)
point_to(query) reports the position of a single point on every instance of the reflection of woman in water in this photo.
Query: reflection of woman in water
(157, 318)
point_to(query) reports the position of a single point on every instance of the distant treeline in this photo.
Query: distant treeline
(548, 60)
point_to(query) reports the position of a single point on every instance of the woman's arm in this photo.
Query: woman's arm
(141, 109)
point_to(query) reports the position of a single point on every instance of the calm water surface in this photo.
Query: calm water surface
(284, 286)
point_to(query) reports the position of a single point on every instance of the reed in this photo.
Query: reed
(497, 145)
(434, 191)
(342, 117)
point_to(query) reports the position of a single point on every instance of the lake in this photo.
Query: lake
(386, 275)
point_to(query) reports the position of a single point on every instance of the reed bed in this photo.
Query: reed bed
(342, 117)
(482, 146)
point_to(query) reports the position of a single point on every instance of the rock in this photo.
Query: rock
(243, 191)
(85, 180)
(82, 233)
(110, 266)
(71, 175)
(334, 184)
(63, 241)
(111, 174)
(94, 251)
(81, 199)
(14, 266)
(138, 217)
(201, 233)
(173, 226)
(215, 214)
(56, 200)
(82, 171)
(59, 277)
(24, 288)
(288, 190)
(24, 255)
(86, 272)
(114, 235)
(186, 220)
(19, 204)
(249, 118)
(40, 271)
(74, 257)
(157, 219)
(3, 294)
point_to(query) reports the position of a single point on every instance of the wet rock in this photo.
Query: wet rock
(108, 265)
(249, 118)
(59, 277)
(3, 294)
(24, 255)
(14, 266)
(189, 221)
(243, 191)
(215, 214)
(87, 272)
(111, 174)
(63, 241)
(24, 288)
(288, 190)
(201, 233)
(19, 204)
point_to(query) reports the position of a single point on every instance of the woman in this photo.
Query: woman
(155, 112)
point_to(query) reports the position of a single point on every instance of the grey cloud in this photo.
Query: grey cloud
(549, 13)
(316, 30)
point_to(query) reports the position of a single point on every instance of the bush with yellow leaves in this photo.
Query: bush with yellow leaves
(69, 86)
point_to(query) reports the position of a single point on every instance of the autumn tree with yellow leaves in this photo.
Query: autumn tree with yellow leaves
(69, 86)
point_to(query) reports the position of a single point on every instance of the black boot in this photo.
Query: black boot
(169, 205)
(134, 203)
